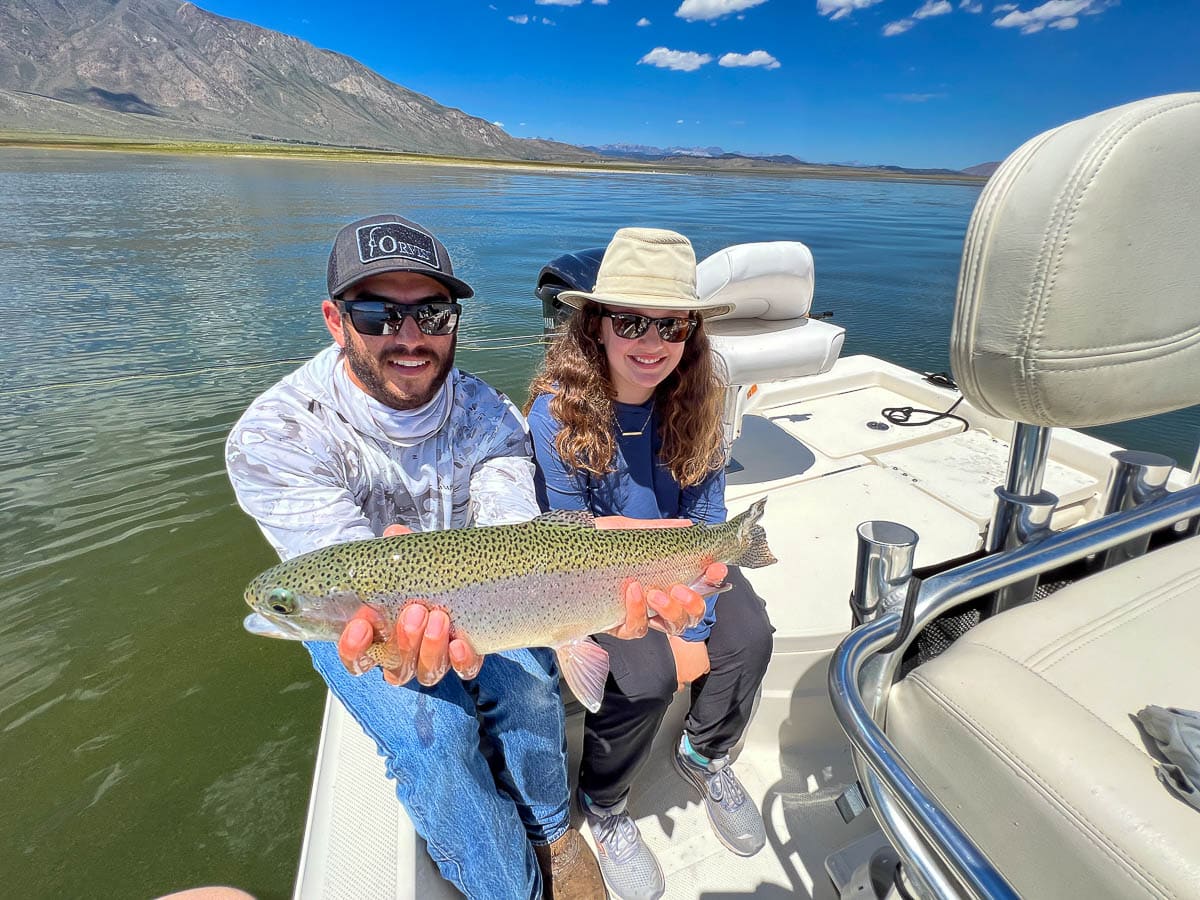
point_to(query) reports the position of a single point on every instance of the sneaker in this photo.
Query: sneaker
(735, 819)
(626, 862)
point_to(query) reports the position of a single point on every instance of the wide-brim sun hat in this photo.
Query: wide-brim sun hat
(649, 268)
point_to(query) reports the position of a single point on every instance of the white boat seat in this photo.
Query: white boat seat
(767, 336)
(1024, 731)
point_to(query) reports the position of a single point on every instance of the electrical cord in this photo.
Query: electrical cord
(902, 415)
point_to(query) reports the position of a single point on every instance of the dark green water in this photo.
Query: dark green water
(146, 742)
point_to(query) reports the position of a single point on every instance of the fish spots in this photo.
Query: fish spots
(509, 586)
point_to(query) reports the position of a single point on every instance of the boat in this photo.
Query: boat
(974, 598)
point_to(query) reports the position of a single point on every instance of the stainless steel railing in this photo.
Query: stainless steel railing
(944, 860)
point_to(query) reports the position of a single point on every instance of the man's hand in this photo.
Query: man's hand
(420, 645)
(678, 608)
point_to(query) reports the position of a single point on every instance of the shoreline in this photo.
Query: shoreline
(321, 153)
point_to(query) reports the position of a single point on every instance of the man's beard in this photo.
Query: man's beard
(370, 372)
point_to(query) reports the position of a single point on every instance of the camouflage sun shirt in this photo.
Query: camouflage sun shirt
(312, 461)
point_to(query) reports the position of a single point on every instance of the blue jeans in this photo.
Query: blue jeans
(480, 766)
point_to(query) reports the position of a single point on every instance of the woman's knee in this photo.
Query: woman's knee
(652, 687)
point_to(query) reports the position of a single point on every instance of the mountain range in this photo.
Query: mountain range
(168, 70)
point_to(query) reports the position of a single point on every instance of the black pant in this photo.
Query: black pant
(642, 681)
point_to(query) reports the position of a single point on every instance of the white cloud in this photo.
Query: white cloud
(599, 2)
(679, 60)
(643, 22)
(498, 124)
(915, 98)
(706, 10)
(679, 121)
(971, 6)
(1004, 7)
(933, 8)
(520, 20)
(839, 9)
(557, 2)
(523, 19)
(755, 58)
(1054, 13)
(891, 29)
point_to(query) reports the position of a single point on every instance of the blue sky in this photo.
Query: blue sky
(920, 83)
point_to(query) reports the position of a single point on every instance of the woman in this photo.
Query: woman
(626, 420)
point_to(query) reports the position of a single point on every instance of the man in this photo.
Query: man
(381, 434)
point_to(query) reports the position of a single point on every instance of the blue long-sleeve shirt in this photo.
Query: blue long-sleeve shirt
(640, 485)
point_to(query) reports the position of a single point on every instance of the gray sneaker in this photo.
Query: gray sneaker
(626, 862)
(734, 818)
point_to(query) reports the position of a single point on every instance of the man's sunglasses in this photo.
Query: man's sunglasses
(631, 326)
(434, 316)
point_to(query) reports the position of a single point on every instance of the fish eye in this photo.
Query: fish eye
(282, 601)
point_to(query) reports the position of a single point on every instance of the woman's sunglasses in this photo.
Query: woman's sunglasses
(379, 317)
(631, 326)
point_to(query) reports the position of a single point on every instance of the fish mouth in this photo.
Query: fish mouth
(257, 623)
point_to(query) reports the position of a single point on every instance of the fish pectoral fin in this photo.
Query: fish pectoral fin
(584, 666)
(706, 588)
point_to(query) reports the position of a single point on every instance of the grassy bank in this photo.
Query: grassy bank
(350, 154)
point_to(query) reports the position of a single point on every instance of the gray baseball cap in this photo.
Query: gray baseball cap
(389, 244)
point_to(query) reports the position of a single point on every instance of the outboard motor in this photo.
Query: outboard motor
(570, 272)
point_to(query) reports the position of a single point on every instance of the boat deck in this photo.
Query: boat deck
(806, 445)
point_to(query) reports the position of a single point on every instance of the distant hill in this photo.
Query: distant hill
(985, 169)
(165, 69)
(715, 157)
(642, 151)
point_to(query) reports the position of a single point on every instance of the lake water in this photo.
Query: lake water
(148, 743)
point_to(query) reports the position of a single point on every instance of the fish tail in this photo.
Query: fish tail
(753, 537)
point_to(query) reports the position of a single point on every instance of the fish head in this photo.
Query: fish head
(285, 608)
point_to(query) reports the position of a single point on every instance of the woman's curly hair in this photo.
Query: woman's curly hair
(690, 401)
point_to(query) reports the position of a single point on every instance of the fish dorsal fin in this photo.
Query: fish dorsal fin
(579, 517)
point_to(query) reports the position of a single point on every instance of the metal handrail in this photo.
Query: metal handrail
(862, 713)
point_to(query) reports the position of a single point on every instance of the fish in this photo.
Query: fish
(550, 582)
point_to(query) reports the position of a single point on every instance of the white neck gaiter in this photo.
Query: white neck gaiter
(403, 427)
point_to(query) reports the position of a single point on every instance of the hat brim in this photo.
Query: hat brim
(576, 299)
(458, 288)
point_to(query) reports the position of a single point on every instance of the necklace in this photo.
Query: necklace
(641, 430)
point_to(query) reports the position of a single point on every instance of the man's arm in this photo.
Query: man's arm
(285, 475)
(288, 478)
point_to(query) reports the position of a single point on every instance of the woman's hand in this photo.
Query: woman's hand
(676, 609)
(420, 646)
(691, 660)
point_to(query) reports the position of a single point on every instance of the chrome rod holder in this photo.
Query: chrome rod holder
(1020, 519)
(1192, 528)
(1137, 478)
(882, 569)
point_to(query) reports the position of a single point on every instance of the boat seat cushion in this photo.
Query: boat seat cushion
(1024, 731)
(761, 350)
(1077, 292)
(766, 335)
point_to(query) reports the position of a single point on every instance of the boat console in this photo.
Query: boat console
(1012, 764)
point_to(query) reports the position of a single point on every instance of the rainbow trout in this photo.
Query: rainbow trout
(550, 582)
